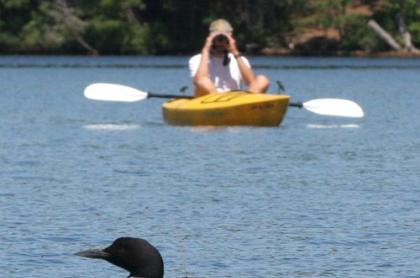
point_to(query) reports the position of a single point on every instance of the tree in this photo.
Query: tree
(401, 19)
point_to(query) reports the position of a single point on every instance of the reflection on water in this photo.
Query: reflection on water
(333, 126)
(112, 126)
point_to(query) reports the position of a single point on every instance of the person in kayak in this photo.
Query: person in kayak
(221, 67)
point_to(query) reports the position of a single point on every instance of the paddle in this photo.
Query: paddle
(323, 106)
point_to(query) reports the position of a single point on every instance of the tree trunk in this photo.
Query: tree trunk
(384, 35)
(74, 24)
(408, 43)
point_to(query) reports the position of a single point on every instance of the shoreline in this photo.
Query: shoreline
(356, 53)
(274, 52)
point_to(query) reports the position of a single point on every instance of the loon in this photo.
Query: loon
(135, 255)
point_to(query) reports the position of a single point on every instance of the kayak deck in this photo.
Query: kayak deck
(227, 109)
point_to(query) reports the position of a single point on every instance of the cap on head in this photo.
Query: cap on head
(220, 25)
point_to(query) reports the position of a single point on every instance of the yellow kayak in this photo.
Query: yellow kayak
(227, 109)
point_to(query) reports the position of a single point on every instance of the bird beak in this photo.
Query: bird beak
(94, 254)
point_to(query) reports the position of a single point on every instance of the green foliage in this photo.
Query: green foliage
(357, 36)
(414, 28)
(7, 42)
(106, 34)
(16, 4)
(40, 33)
(168, 26)
(330, 13)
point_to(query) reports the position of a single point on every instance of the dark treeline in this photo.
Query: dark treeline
(180, 26)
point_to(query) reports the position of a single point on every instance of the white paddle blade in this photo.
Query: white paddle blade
(334, 107)
(113, 92)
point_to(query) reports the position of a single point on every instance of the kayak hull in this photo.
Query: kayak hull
(227, 109)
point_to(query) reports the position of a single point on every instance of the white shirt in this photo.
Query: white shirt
(225, 78)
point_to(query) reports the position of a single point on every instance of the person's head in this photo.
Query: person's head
(221, 27)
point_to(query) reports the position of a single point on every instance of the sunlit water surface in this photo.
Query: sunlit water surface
(315, 197)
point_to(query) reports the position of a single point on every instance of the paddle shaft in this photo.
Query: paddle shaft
(149, 95)
(296, 104)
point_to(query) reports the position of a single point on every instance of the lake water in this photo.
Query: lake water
(316, 197)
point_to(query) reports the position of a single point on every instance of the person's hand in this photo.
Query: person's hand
(232, 44)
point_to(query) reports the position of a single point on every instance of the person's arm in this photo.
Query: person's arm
(247, 73)
(202, 80)
(203, 66)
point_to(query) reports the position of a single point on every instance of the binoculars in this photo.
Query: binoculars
(221, 38)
